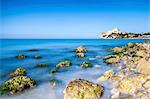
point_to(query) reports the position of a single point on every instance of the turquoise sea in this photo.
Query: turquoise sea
(52, 52)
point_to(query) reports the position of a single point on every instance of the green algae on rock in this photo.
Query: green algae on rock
(21, 56)
(42, 65)
(82, 89)
(86, 64)
(18, 72)
(53, 71)
(37, 57)
(17, 84)
(80, 49)
(80, 55)
(111, 59)
(64, 64)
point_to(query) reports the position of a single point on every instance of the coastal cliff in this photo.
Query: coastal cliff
(117, 34)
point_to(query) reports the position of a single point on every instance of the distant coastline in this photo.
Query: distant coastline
(117, 34)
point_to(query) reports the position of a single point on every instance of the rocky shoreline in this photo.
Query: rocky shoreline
(132, 80)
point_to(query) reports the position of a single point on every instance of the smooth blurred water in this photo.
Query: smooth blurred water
(54, 51)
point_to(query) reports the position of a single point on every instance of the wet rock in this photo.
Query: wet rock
(17, 84)
(21, 56)
(107, 75)
(111, 59)
(80, 55)
(33, 50)
(18, 72)
(81, 49)
(53, 71)
(37, 57)
(42, 65)
(118, 50)
(64, 64)
(82, 89)
(86, 64)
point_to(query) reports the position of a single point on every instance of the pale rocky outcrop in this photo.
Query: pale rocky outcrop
(133, 78)
(80, 49)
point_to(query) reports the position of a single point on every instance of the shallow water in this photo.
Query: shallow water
(53, 51)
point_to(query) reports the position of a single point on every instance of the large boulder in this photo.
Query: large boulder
(82, 89)
(80, 49)
(64, 64)
(17, 84)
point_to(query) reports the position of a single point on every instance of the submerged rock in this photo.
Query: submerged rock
(18, 72)
(82, 89)
(17, 84)
(33, 50)
(53, 71)
(80, 55)
(80, 49)
(42, 65)
(86, 64)
(21, 56)
(64, 64)
(37, 57)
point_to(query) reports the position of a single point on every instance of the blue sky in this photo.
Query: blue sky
(72, 18)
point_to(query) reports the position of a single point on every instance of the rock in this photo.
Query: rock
(111, 59)
(143, 66)
(80, 49)
(82, 89)
(107, 75)
(86, 64)
(147, 84)
(33, 50)
(18, 72)
(17, 84)
(42, 65)
(64, 64)
(118, 50)
(80, 55)
(130, 85)
(53, 71)
(21, 56)
(37, 57)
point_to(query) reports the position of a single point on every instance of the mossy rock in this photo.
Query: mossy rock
(111, 59)
(37, 57)
(82, 89)
(64, 64)
(18, 72)
(42, 65)
(80, 55)
(80, 49)
(53, 71)
(21, 56)
(86, 64)
(17, 84)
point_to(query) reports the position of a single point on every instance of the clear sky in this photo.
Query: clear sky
(72, 18)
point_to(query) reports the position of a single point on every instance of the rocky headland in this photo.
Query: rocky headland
(117, 34)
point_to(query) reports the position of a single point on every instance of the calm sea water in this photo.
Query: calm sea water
(54, 51)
